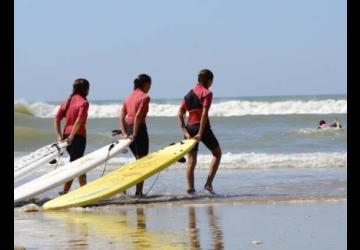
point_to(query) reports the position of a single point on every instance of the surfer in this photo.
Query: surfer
(75, 112)
(323, 124)
(197, 102)
(133, 120)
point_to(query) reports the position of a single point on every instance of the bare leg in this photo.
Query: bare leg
(82, 180)
(191, 164)
(213, 167)
(139, 186)
(67, 186)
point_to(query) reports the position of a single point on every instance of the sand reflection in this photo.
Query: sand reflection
(129, 229)
(122, 231)
(213, 225)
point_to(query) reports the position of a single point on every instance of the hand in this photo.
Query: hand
(187, 135)
(197, 137)
(59, 138)
(125, 135)
(69, 139)
(132, 137)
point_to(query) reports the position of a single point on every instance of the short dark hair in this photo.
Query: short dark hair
(322, 122)
(141, 80)
(81, 87)
(205, 75)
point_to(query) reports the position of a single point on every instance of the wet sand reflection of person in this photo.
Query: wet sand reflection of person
(77, 234)
(140, 219)
(139, 239)
(216, 232)
(193, 231)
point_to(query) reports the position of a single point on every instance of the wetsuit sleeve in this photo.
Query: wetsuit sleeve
(60, 113)
(182, 109)
(123, 109)
(207, 100)
(144, 104)
(83, 111)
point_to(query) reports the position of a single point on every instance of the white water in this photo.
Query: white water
(318, 160)
(224, 108)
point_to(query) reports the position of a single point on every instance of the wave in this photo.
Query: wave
(241, 161)
(264, 161)
(275, 161)
(326, 131)
(22, 108)
(23, 135)
(221, 109)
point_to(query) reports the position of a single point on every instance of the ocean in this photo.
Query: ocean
(270, 145)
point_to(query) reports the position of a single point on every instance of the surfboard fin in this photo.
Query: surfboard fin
(182, 160)
(53, 161)
(116, 132)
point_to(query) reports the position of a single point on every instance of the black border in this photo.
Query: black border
(7, 126)
(352, 129)
(7, 122)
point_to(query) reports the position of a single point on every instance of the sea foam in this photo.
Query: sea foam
(221, 109)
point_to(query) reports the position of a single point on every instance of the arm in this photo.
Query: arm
(122, 123)
(204, 120)
(204, 115)
(138, 118)
(181, 122)
(57, 123)
(57, 126)
(80, 121)
(77, 125)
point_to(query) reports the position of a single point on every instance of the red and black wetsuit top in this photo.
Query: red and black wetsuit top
(195, 100)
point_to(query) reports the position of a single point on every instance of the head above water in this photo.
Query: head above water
(81, 86)
(143, 81)
(205, 77)
(322, 122)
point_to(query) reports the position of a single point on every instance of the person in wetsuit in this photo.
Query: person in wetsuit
(197, 103)
(133, 120)
(75, 112)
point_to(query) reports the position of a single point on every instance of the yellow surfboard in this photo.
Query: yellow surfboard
(123, 178)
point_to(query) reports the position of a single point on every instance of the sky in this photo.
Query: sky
(254, 48)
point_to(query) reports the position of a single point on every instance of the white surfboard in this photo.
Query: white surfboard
(27, 164)
(69, 171)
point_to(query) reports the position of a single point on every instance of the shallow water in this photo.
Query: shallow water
(245, 185)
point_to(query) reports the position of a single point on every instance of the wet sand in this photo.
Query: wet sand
(188, 224)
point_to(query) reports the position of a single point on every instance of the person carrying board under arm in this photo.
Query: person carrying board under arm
(133, 120)
(75, 110)
(197, 102)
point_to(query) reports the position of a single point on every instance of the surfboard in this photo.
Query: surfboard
(69, 171)
(123, 178)
(27, 164)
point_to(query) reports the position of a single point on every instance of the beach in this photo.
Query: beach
(252, 209)
(281, 184)
(185, 225)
